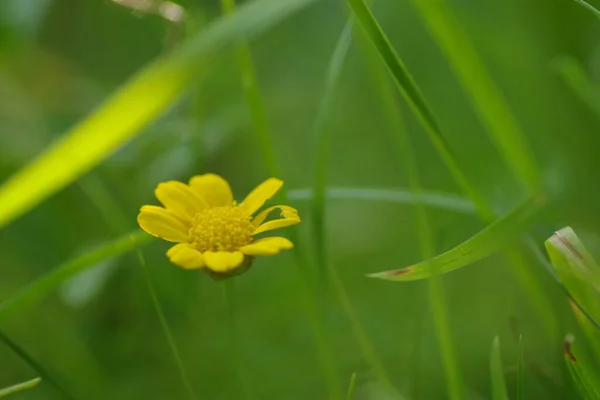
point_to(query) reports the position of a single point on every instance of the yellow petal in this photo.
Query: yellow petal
(286, 212)
(257, 197)
(223, 261)
(160, 222)
(276, 224)
(213, 189)
(267, 246)
(185, 256)
(180, 199)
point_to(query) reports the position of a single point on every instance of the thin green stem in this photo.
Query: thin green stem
(351, 387)
(589, 7)
(254, 100)
(20, 386)
(165, 327)
(367, 349)
(234, 347)
(489, 103)
(436, 291)
(323, 142)
(35, 365)
(412, 93)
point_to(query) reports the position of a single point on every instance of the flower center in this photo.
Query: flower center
(221, 229)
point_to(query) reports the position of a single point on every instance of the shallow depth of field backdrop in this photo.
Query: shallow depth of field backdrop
(98, 334)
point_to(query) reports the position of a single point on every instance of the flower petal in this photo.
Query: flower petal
(286, 212)
(276, 224)
(267, 246)
(185, 256)
(213, 189)
(257, 197)
(180, 199)
(161, 223)
(223, 261)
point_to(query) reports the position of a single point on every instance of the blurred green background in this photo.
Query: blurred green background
(100, 334)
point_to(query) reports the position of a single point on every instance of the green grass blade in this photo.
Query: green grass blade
(19, 387)
(585, 384)
(589, 7)
(413, 95)
(166, 328)
(497, 373)
(234, 349)
(444, 201)
(576, 79)
(351, 387)
(49, 282)
(487, 99)
(415, 99)
(491, 239)
(520, 371)
(133, 106)
(254, 98)
(35, 365)
(576, 269)
(323, 138)
(406, 154)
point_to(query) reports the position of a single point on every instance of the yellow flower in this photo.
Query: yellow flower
(211, 229)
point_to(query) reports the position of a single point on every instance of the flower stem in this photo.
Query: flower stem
(235, 353)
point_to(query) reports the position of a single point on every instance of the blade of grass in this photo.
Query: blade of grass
(415, 99)
(585, 384)
(576, 269)
(19, 387)
(351, 387)
(589, 7)
(576, 79)
(445, 201)
(489, 240)
(133, 106)
(254, 98)
(35, 365)
(520, 371)
(487, 99)
(497, 373)
(323, 141)
(49, 282)
(235, 353)
(165, 327)
(406, 154)
(256, 106)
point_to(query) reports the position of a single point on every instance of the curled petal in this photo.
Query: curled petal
(185, 256)
(276, 224)
(257, 197)
(162, 223)
(213, 189)
(286, 212)
(267, 246)
(223, 261)
(180, 199)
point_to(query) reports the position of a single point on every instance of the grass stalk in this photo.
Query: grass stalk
(406, 153)
(36, 366)
(235, 352)
(323, 142)
(489, 103)
(166, 328)
(418, 104)
(254, 100)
